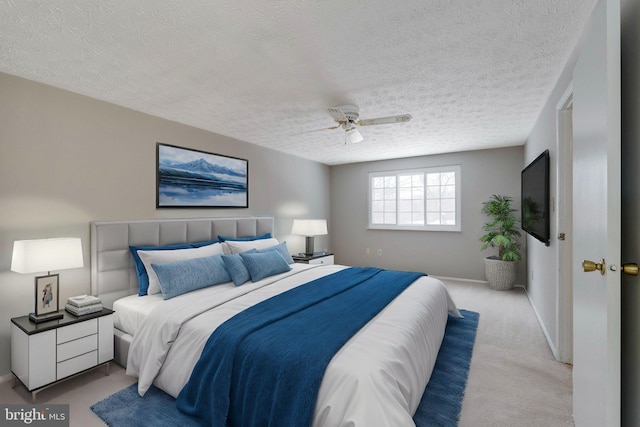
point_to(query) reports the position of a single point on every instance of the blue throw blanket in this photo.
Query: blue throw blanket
(264, 366)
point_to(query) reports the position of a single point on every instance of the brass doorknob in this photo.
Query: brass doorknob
(588, 266)
(630, 268)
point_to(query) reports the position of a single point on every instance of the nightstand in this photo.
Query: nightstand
(42, 354)
(316, 258)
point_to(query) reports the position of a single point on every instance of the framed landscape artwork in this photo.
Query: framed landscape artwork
(197, 179)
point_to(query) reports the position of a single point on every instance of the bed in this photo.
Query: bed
(376, 378)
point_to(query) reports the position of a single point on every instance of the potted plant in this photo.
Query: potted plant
(501, 233)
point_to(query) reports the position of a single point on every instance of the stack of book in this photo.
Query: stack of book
(83, 304)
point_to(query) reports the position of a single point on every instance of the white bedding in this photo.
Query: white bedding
(377, 378)
(132, 310)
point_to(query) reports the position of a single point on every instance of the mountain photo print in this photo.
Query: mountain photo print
(193, 178)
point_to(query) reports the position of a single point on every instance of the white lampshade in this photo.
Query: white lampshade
(309, 227)
(34, 256)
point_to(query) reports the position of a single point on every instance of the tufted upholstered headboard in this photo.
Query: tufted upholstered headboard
(113, 273)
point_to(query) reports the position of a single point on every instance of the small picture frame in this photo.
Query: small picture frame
(47, 295)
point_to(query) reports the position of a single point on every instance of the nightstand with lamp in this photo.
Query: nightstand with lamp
(50, 345)
(311, 228)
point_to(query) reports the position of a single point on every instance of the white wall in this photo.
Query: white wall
(66, 160)
(438, 253)
(542, 262)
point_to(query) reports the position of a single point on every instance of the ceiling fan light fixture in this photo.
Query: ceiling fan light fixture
(352, 135)
(348, 117)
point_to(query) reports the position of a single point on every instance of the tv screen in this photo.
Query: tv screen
(535, 198)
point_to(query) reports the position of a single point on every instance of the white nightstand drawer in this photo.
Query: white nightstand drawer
(77, 364)
(78, 330)
(77, 347)
(328, 260)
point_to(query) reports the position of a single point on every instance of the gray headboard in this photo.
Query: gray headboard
(113, 272)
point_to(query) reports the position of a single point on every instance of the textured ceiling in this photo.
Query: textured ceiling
(474, 74)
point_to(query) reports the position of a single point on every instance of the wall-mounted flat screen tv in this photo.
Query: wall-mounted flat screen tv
(535, 210)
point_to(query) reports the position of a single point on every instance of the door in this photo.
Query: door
(596, 210)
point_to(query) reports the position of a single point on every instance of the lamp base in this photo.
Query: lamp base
(308, 250)
(45, 317)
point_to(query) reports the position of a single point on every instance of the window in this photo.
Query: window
(416, 199)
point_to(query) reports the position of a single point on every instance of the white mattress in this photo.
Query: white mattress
(377, 378)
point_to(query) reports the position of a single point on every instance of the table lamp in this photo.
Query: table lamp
(309, 228)
(34, 256)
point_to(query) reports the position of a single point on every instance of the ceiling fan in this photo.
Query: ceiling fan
(348, 118)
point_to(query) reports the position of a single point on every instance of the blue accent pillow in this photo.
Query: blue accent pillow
(282, 248)
(264, 264)
(141, 272)
(180, 277)
(236, 268)
(245, 239)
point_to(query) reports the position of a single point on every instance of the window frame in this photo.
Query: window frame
(456, 169)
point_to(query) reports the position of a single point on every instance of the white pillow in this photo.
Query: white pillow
(225, 248)
(158, 257)
(237, 246)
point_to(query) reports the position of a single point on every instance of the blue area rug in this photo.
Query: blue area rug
(440, 405)
(442, 399)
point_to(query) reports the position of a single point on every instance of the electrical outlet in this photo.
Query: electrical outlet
(367, 251)
(379, 252)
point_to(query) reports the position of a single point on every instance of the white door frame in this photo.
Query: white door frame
(564, 221)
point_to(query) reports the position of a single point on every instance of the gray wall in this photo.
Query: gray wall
(66, 160)
(438, 253)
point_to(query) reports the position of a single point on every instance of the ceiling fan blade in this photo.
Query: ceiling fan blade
(353, 135)
(338, 114)
(385, 120)
(317, 130)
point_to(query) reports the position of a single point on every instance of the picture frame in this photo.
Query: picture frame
(190, 178)
(47, 294)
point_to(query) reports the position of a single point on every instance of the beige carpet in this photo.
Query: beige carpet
(513, 380)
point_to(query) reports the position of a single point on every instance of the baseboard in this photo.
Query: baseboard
(457, 279)
(552, 347)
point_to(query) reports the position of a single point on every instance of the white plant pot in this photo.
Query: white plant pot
(501, 275)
